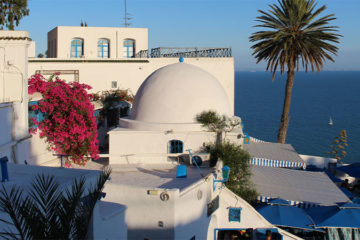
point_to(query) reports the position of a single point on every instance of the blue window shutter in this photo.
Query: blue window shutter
(234, 214)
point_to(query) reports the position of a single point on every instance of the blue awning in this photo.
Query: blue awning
(344, 218)
(333, 178)
(349, 205)
(356, 200)
(287, 216)
(347, 192)
(351, 169)
(335, 217)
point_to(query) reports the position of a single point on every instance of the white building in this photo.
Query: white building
(143, 154)
(14, 132)
(73, 53)
(110, 58)
(96, 42)
(161, 206)
(158, 205)
(163, 116)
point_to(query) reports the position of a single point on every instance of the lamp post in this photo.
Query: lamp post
(225, 176)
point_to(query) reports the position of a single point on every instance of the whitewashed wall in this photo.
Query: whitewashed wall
(131, 73)
(191, 211)
(149, 146)
(249, 217)
(320, 162)
(6, 136)
(184, 215)
(59, 40)
(144, 211)
(32, 50)
(109, 221)
(14, 133)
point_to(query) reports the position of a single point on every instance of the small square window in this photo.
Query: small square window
(114, 84)
(234, 214)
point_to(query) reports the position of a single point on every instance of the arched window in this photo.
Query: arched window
(175, 146)
(129, 48)
(103, 49)
(77, 48)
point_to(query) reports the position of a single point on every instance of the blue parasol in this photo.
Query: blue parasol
(287, 216)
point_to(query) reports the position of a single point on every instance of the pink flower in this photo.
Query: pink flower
(69, 125)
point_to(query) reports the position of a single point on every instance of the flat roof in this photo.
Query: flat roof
(296, 185)
(155, 176)
(23, 175)
(96, 27)
(273, 151)
(162, 176)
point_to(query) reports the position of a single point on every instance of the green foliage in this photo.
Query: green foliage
(293, 35)
(337, 148)
(238, 160)
(214, 122)
(11, 12)
(48, 210)
(211, 120)
(109, 99)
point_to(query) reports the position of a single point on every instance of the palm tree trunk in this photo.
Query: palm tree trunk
(284, 124)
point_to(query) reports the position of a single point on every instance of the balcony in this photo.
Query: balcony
(191, 52)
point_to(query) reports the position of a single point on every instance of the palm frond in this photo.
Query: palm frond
(296, 33)
(48, 210)
(13, 204)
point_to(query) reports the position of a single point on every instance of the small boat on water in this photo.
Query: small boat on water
(331, 122)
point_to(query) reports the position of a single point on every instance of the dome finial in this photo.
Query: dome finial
(181, 59)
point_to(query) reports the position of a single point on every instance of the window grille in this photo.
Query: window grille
(103, 48)
(129, 48)
(175, 146)
(77, 48)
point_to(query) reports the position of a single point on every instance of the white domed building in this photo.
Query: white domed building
(162, 122)
(160, 203)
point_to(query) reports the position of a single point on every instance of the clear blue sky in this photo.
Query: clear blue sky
(188, 23)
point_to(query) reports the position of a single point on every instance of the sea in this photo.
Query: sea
(316, 98)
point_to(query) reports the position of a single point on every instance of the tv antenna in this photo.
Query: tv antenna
(126, 17)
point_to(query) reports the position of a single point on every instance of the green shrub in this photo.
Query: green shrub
(238, 160)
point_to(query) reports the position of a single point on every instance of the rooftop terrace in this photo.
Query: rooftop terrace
(151, 175)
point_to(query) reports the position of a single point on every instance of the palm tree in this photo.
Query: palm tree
(294, 36)
(48, 210)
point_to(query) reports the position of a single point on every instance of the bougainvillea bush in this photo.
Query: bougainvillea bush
(69, 125)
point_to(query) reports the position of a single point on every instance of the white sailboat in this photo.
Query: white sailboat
(331, 122)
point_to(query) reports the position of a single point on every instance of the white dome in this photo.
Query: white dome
(173, 95)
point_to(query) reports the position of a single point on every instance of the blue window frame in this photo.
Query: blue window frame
(77, 48)
(234, 214)
(129, 48)
(175, 146)
(103, 48)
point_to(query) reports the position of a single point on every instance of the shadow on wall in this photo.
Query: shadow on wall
(6, 112)
(192, 229)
